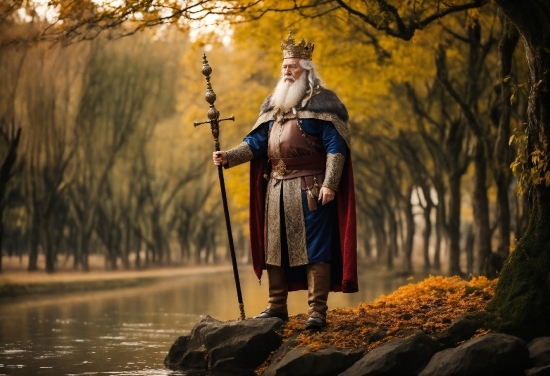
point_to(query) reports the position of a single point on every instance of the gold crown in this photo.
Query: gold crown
(301, 50)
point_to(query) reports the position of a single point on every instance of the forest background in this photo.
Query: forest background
(108, 161)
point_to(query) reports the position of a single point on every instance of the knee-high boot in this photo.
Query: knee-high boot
(278, 293)
(318, 280)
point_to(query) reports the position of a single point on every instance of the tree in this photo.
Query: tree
(12, 138)
(522, 296)
(10, 133)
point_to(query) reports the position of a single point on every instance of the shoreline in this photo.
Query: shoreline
(19, 284)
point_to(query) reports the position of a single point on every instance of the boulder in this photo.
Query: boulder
(401, 356)
(539, 352)
(234, 347)
(490, 355)
(461, 329)
(538, 371)
(539, 357)
(303, 362)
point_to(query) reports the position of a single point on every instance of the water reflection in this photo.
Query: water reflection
(129, 332)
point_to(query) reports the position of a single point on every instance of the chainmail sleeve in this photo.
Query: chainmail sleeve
(239, 154)
(335, 165)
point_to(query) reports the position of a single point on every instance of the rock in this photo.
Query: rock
(538, 371)
(490, 355)
(324, 362)
(288, 346)
(375, 336)
(236, 346)
(461, 329)
(539, 358)
(176, 351)
(401, 356)
(539, 352)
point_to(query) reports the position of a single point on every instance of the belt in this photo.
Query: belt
(308, 162)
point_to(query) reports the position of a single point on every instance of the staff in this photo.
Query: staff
(214, 116)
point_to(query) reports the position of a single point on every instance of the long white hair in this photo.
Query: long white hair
(313, 78)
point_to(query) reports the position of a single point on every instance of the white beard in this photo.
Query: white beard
(288, 94)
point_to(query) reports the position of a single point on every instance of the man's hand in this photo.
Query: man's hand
(326, 195)
(219, 158)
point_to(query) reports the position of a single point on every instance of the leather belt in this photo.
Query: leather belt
(308, 162)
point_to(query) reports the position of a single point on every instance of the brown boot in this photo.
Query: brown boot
(318, 280)
(278, 293)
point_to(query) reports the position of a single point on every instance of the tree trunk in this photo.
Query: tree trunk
(5, 175)
(427, 233)
(46, 240)
(127, 245)
(409, 240)
(367, 246)
(439, 226)
(34, 241)
(522, 215)
(392, 235)
(137, 261)
(480, 205)
(379, 235)
(522, 295)
(81, 253)
(469, 241)
(501, 154)
(454, 224)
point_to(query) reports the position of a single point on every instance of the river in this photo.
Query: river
(129, 331)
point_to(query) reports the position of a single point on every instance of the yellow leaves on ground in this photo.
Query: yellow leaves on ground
(430, 305)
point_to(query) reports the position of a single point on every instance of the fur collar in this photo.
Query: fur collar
(325, 101)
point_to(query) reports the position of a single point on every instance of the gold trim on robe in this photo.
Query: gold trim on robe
(294, 220)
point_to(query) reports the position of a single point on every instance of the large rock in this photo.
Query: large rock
(324, 362)
(490, 355)
(401, 356)
(461, 329)
(539, 357)
(539, 352)
(235, 347)
(538, 371)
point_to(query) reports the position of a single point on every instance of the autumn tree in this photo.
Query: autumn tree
(11, 62)
(521, 300)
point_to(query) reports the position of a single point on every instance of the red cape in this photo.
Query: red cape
(347, 225)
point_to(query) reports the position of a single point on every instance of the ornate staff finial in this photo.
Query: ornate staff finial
(210, 97)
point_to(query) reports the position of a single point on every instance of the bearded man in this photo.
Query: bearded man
(302, 203)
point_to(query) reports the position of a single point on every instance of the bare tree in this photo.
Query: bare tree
(48, 148)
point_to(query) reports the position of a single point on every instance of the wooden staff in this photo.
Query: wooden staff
(214, 116)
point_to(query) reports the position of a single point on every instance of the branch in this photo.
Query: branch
(453, 9)
(442, 74)
(413, 98)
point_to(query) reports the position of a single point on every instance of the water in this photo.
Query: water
(129, 331)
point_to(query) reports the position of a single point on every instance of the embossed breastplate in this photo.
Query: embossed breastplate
(293, 152)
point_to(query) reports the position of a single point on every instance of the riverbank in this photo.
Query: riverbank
(396, 334)
(18, 283)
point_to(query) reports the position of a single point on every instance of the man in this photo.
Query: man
(302, 203)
